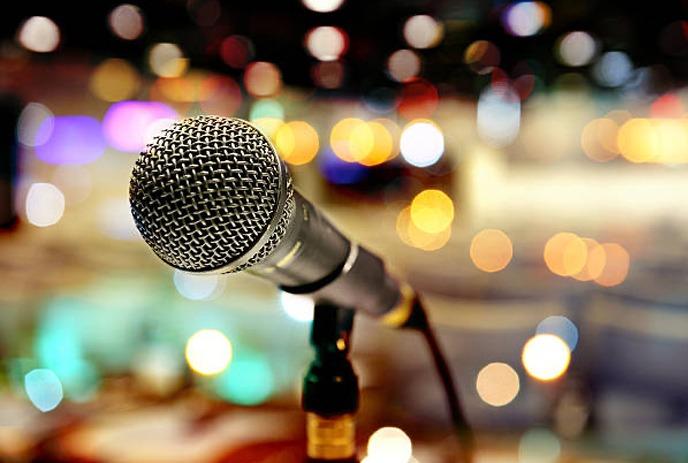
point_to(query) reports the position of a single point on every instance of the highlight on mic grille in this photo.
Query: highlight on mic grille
(210, 194)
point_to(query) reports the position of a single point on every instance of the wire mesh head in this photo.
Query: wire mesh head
(210, 194)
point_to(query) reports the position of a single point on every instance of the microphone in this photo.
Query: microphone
(211, 195)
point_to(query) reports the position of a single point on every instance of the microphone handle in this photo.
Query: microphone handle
(314, 258)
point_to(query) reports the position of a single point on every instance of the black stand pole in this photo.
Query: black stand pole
(330, 388)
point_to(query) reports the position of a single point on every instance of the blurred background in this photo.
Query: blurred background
(523, 164)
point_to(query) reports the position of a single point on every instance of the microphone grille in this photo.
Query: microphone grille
(207, 191)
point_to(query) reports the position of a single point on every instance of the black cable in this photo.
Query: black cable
(458, 417)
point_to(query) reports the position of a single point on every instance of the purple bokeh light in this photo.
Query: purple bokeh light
(339, 172)
(130, 125)
(70, 140)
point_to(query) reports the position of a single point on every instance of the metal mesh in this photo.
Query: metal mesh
(206, 191)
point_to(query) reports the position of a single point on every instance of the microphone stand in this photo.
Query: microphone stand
(330, 388)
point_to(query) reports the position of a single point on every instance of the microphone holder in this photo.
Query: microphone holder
(330, 388)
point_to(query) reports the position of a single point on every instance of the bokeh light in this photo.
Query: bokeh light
(482, 56)
(595, 261)
(35, 125)
(565, 254)
(328, 74)
(72, 140)
(668, 105)
(126, 21)
(322, 6)
(340, 172)
(419, 99)
(432, 211)
(413, 236)
(560, 326)
(39, 34)
(45, 204)
(297, 142)
(326, 43)
(539, 446)
(167, 60)
(383, 143)
(491, 250)
(498, 115)
(266, 108)
(196, 286)
(114, 80)
(130, 125)
(613, 69)
(44, 389)
(576, 48)
(220, 95)
(208, 352)
(423, 31)
(268, 126)
(546, 357)
(660, 140)
(403, 65)
(380, 100)
(248, 382)
(616, 267)
(390, 445)
(421, 143)
(526, 18)
(237, 51)
(351, 139)
(262, 79)
(599, 139)
(497, 384)
(298, 307)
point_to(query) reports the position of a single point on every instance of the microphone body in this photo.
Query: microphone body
(211, 195)
(315, 258)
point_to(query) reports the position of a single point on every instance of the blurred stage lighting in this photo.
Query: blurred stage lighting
(298, 307)
(39, 34)
(262, 79)
(539, 446)
(126, 21)
(322, 6)
(297, 142)
(35, 125)
(208, 352)
(45, 204)
(389, 445)
(497, 384)
(421, 143)
(560, 326)
(167, 60)
(327, 43)
(491, 250)
(498, 115)
(71, 140)
(196, 286)
(546, 357)
(403, 65)
(576, 49)
(423, 31)
(613, 69)
(44, 389)
(432, 211)
(237, 51)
